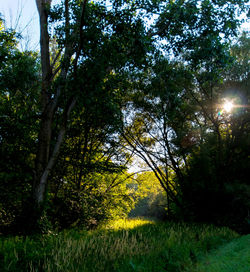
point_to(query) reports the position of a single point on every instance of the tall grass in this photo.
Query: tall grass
(123, 245)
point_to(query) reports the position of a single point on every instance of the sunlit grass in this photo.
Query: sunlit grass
(122, 245)
(127, 223)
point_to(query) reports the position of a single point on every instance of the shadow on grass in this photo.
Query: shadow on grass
(125, 245)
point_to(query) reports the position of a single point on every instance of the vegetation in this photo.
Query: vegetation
(159, 85)
(233, 256)
(128, 245)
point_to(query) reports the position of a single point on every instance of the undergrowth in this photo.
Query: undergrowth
(122, 245)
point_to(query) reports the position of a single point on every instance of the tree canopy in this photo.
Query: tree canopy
(118, 81)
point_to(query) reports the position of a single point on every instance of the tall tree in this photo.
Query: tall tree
(49, 103)
(93, 42)
(176, 106)
(96, 40)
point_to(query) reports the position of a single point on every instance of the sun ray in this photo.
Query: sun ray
(228, 106)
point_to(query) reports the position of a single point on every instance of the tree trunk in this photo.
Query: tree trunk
(42, 157)
(44, 137)
(45, 158)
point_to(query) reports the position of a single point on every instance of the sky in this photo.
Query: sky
(22, 15)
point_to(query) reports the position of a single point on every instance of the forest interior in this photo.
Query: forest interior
(125, 138)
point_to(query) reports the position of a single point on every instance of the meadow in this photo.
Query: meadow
(130, 245)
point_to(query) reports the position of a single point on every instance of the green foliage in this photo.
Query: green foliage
(177, 129)
(240, 51)
(18, 117)
(215, 187)
(216, 190)
(89, 183)
(169, 63)
(97, 199)
(152, 200)
(130, 245)
(85, 186)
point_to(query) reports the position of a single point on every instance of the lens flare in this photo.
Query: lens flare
(228, 106)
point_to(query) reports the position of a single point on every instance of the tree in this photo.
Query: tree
(159, 119)
(151, 198)
(89, 182)
(81, 26)
(217, 179)
(178, 108)
(96, 58)
(19, 124)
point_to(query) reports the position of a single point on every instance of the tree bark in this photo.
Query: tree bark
(44, 136)
(45, 158)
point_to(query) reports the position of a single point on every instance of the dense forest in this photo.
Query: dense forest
(127, 105)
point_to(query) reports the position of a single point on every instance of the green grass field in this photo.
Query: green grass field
(129, 245)
(232, 257)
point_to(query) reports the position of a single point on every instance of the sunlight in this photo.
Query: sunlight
(128, 223)
(228, 106)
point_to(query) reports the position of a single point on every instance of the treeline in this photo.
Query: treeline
(116, 83)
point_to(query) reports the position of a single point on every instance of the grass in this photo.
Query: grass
(232, 257)
(124, 245)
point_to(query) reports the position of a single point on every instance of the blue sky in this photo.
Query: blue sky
(22, 15)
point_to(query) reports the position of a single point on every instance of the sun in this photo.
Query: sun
(228, 106)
